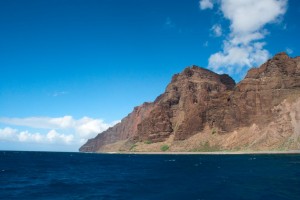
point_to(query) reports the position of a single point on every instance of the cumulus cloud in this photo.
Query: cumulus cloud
(7, 133)
(25, 136)
(87, 127)
(237, 58)
(53, 137)
(206, 4)
(249, 16)
(13, 135)
(243, 47)
(81, 129)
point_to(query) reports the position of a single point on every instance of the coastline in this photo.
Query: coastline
(208, 153)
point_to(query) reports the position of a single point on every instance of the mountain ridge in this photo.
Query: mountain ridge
(215, 113)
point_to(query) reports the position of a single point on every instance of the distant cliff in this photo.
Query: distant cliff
(204, 111)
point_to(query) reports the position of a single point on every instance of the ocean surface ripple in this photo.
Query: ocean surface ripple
(51, 175)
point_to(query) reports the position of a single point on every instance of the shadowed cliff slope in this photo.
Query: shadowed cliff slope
(201, 110)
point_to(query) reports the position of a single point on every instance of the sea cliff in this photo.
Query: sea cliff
(202, 111)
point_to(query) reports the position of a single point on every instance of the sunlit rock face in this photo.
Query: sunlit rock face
(259, 113)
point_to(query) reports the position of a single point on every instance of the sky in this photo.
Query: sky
(72, 68)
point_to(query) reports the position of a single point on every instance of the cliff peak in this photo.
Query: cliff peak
(195, 73)
(281, 56)
(280, 64)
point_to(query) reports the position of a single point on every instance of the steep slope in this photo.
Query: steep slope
(201, 109)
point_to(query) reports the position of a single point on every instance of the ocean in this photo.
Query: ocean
(51, 175)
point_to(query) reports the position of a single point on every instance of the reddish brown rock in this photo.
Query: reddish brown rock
(127, 128)
(198, 98)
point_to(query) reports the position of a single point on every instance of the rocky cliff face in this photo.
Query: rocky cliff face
(201, 110)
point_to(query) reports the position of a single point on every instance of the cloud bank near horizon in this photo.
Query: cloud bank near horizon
(61, 130)
(244, 45)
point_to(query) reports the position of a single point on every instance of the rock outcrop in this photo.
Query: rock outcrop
(201, 109)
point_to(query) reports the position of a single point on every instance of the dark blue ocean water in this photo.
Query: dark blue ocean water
(45, 175)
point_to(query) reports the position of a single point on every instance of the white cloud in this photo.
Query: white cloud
(87, 127)
(237, 58)
(41, 122)
(249, 16)
(13, 135)
(55, 137)
(26, 136)
(206, 4)
(243, 47)
(7, 133)
(81, 129)
(217, 30)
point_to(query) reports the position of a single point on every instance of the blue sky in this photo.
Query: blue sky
(70, 69)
